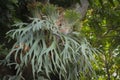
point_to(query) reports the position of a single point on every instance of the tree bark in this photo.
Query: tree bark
(82, 9)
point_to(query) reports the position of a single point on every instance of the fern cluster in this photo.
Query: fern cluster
(50, 51)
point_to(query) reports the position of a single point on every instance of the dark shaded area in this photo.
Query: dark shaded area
(63, 3)
(5, 21)
(5, 70)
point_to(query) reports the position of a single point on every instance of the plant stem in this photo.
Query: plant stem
(107, 70)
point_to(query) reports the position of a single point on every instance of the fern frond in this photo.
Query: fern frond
(50, 51)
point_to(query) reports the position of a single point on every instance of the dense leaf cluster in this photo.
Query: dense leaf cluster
(50, 50)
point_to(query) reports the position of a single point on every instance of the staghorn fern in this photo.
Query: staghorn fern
(50, 51)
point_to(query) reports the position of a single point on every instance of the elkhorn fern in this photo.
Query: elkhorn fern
(50, 50)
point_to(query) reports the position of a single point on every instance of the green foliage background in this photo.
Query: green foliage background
(102, 28)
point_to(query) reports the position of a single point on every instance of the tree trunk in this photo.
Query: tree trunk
(82, 9)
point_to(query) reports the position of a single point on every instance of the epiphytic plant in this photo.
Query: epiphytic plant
(48, 49)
